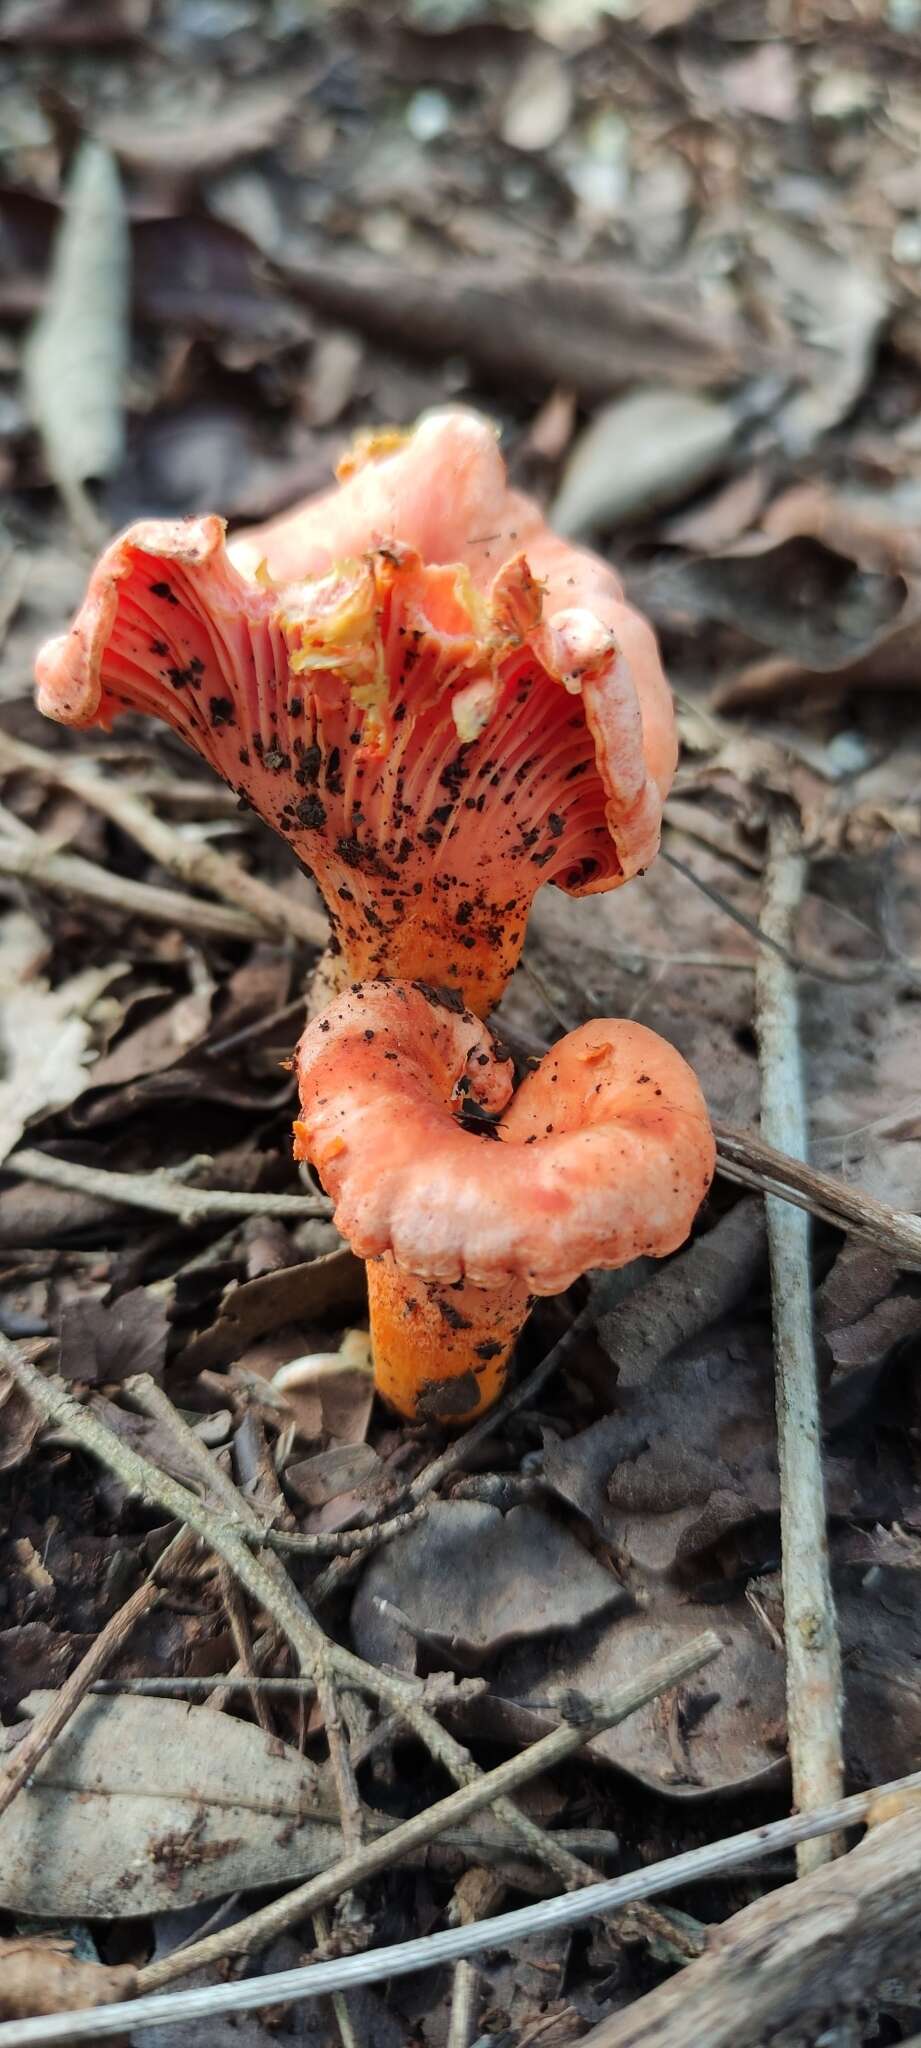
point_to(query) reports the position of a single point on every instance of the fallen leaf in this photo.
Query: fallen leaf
(203, 136)
(319, 1479)
(643, 451)
(205, 277)
(592, 328)
(147, 1806)
(722, 1730)
(798, 597)
(837, 304)
(102, 1342)
(327, 1286)
(41, 1974)
(76, 356)
(765, 82)
(46, 1034)
(475, 1579)
(538, 107)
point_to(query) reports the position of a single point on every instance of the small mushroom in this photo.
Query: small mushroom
(465, 1198)
(436, 701)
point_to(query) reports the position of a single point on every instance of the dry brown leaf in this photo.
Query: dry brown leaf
(40, 1974)
(473, 1579)
(313, 1291)
(46, 1034)
(640, 452)
(592, 327)
(102, 1342)
(76, 355)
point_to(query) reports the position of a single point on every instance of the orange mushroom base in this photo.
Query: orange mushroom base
(466, 1196)
(441, 1353)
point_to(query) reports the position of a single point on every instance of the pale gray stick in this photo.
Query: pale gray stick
(569, 1909)
(162, 1192)
(810, 1626)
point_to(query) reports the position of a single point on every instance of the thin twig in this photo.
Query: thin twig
(47, 1726)
(748, 1160)
(342, 1542)
(813, 1650)
(70, 876)
(162, 1192)
(199, 866)
(212, 2002)
(465, 1994)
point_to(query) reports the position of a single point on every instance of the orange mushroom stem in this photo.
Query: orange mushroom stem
(439, 703)
(467, 1198)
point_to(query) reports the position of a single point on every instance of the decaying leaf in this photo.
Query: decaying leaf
(724, 1728)
(108, 1341)
(473, 1578)
(142, 1805)
(644, 451)
(145, 1806)
(77, 353)
(313, 1291)
(592, 327)
(46, 1037)
(803, 600)
(41, 1974)
(837, 304)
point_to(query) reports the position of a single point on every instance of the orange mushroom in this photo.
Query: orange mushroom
(439, 703)
(603, 1155)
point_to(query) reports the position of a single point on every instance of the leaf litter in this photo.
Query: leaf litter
(642, 228)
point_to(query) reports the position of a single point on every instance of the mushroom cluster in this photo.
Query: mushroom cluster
(440, 705)
(603, 1155)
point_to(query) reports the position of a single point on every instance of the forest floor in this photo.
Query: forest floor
(673, 250)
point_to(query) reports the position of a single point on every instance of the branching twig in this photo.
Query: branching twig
(200, 866)
(810, 1626)
(163, 1192)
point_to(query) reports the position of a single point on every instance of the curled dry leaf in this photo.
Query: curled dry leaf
(837, 305)
(46, 1034)
(77, 352)
(473, 1578)
(40, 1974)
(319, 1288)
